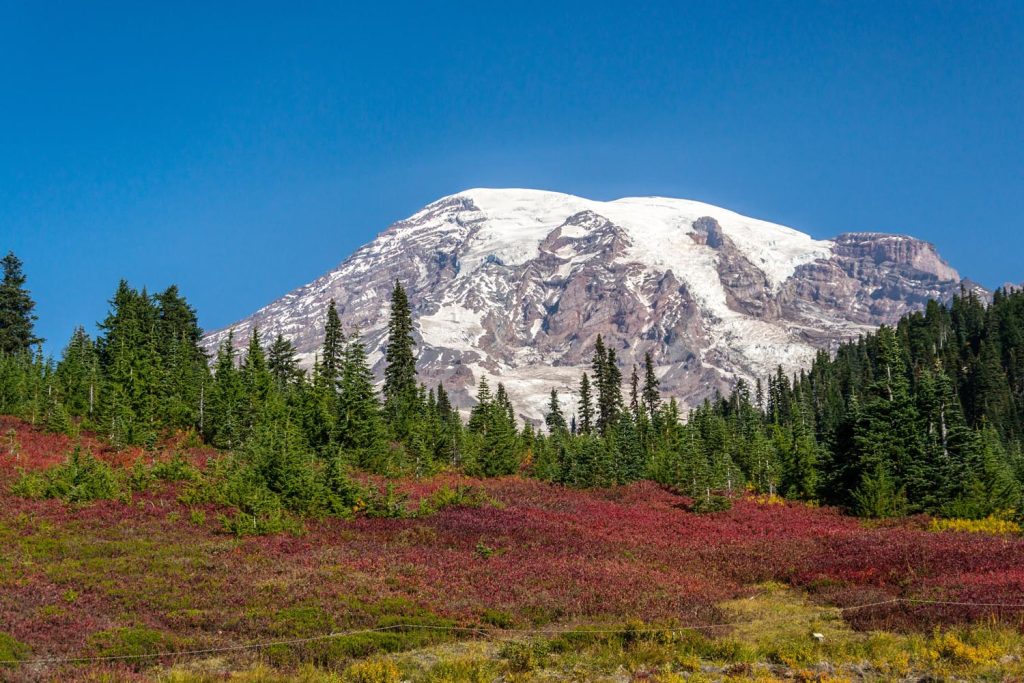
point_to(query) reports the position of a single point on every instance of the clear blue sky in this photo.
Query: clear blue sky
(241, 149)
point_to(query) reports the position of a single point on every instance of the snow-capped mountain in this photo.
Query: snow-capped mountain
(517, 284)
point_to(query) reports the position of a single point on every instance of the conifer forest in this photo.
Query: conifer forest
(923, 417)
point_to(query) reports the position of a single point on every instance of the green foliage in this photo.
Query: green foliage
(710, 503)
(497, 451)
(82, 478)
(522, 657)
(176, 468)
(151, 371)
(877, 495)
(554, 419)
(225, 418)
(268, 520)
(274, 474)
(586, 406)
(446, 496)
(131, 642)
(17, 319)
(497, 618)
(386, 502)
(360, 429)
(588, 462)
(372, 671)
(301, 621)
(608, 381)
(333, 348)
(924, 417)
(401, 397)
(283, 363)
(401, 633)
(11, 650)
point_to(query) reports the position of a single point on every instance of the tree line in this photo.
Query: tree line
(926, 416)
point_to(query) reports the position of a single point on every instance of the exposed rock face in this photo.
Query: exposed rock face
(517, 284)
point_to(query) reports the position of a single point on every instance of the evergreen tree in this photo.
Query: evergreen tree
(491, 419)
(225, 424)
(448, 436)
(400, 389)
(608, 380)
(503, 404)
(320, 408)
(586, 407)
(282, 362)
(359, 421)
(651, 395)
(887, 435)
(629, 450)
(500, 448)
(178, 321)
(134, 388)
(636, 407)
(877, 495)
(990, 486)
(554, 419)
(257, 381)
(78, 374)
(332, 356)
(184, 371)
(481, 412)
(765, 468)
(801, 476)
(17, 321)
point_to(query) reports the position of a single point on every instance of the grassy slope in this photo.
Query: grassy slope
(152, 575)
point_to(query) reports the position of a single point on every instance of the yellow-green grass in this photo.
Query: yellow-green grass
(772, 638)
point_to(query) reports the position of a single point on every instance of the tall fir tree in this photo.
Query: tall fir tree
(226, 402)
(359, 421)
(636, 406)
(631, 465)
(608, 381)
(17, 320)
(333, 351)
(78, 374)
(554, 419)
(401, 394)
(283, 363)
(586, 407)
(257, 381)
(651, 394)
(184, 363)
(480, 413)
(133, 369)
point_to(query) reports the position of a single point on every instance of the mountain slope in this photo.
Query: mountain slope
(517, 284)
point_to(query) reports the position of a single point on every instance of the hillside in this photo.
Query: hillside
(540, 571)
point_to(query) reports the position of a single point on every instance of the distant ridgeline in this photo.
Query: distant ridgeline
(927, 417)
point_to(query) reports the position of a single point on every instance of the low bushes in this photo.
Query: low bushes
(993, 524)
(269, 486)
(131, 642)
(11, 650)
(80, 479)
(373, 671)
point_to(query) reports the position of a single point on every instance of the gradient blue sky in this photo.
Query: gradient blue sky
(241, 149)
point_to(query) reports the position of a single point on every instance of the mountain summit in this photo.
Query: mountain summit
(517, 284)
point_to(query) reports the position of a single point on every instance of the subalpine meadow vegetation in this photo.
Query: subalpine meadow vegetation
(164, 512)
